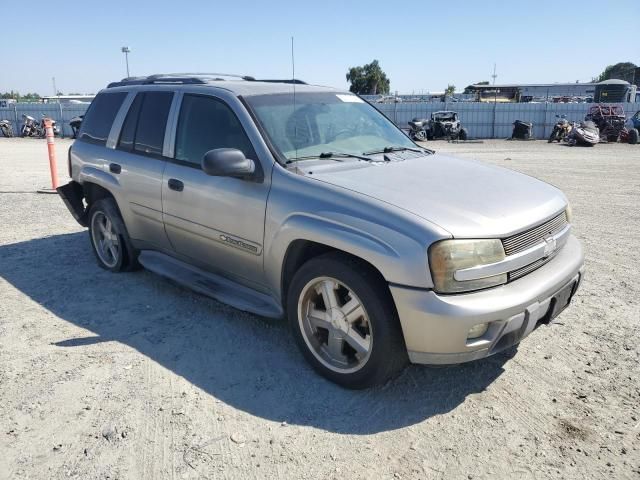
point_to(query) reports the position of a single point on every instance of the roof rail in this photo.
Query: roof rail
(181, 78)
(289, 80)
(194, 78)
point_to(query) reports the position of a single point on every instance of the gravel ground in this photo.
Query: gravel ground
(129, 377)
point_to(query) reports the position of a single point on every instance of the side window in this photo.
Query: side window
(206, 123)
(97, 122)
(128, 132)
(144, 127)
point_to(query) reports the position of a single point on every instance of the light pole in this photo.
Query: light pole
(126, 51)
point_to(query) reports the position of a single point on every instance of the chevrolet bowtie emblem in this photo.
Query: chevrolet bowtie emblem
(549, 246)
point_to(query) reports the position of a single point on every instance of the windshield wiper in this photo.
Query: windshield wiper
(397, 149)
(332, 155)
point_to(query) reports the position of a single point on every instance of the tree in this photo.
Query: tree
(368, 79)
(622, 71)
(450, 90)
(469, 88)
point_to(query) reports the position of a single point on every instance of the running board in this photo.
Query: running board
(210, 284)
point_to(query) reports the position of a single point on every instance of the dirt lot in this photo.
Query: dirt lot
(130, 377)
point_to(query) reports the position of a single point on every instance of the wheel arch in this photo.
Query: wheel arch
(300, 251)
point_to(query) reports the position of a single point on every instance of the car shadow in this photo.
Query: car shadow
(246, 361)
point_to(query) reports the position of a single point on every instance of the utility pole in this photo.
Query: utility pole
(55, 90)
(126, 51)
(495, 101)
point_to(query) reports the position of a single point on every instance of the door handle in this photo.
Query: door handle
(175, 184)
(115, 168)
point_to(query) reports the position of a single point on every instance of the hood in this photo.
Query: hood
(469, 199)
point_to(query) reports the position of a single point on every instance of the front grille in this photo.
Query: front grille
(521, 272)
(534, 236)
(524, 240)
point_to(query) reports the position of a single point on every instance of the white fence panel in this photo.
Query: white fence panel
(482, 120)
(59, 112)
(489, 120)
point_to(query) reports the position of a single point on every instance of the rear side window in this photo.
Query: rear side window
(144, 127)
(97, 122)
(206, 123)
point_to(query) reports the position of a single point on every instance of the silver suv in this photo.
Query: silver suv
(291, 200)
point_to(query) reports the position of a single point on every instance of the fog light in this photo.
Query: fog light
(478, 330)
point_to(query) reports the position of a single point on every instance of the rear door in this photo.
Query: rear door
(218, 222)
(138, 156)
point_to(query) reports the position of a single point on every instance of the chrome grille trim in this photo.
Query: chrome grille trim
(527, 239)
(521, 272)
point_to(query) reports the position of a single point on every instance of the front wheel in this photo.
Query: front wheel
(463, 134)
(633, 136)
(344, 321)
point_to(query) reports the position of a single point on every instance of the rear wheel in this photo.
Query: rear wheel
(420, 135)
(633, 136)
(343, 319)
(109, 238)
(463, 134)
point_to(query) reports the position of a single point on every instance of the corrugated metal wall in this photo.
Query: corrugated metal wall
(59, 112)
(495, 120)
(482, 120)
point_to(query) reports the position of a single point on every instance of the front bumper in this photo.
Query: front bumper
(435, 327)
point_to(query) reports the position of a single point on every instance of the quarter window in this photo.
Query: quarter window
(97, 122)
(144, 127)
(207, 123)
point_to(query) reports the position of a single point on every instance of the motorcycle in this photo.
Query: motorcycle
(6, 128)
(418, 129)
(583, 133)
(30, 128)
(75, 123)
(561, 129)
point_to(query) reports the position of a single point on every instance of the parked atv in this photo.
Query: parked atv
(610, 119)
(444, 124)
(561, 129)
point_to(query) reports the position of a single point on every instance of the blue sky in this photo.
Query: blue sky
(421, 46)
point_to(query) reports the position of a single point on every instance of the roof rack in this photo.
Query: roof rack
(193, 78)
(180, 78)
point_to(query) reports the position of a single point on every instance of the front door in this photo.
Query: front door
(215, 221)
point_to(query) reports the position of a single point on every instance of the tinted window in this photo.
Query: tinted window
(97, 122)
(152, 122)
(128, 132)
(143, 128)
(206, 123)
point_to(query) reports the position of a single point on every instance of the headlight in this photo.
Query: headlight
(448, 256)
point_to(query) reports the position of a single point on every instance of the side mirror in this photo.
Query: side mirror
(227, 162)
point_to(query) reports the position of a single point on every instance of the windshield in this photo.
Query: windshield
(325, 122)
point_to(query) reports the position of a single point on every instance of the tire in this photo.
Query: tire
(374, 328)
(553, 136)
(463, 134)
(420, 136)
(633, 136)
(105, 223)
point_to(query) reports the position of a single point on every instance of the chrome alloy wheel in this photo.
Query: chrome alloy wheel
(105, 239)
(335, 325)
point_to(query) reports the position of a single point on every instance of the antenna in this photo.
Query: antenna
(293, 81)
